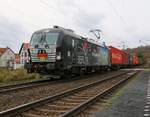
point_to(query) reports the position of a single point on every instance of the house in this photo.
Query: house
(7, 57)
(23, 52)
(17, 61)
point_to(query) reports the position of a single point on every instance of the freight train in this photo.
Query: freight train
(60, 51)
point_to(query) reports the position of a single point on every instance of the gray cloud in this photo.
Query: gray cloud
(87, 21)
(12, 34)
(81, 16)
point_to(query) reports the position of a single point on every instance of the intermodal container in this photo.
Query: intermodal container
(124, 57)
(116, 57)
(135, 59)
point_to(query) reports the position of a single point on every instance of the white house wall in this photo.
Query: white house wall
(6, 57)
(23, 58)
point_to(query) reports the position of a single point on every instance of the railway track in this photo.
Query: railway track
(21, 86)
(70, 102)
(15, 98)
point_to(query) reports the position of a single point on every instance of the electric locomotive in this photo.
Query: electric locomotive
(61, 52)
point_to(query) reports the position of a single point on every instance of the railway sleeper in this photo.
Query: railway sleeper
(67, 104)
(87, 114)
(54, 110)
(43, 113)
(85, 94)
(84, 115)
(79, 98)
(32, 115)
(72, 101)
(39, 115)
(57, 107)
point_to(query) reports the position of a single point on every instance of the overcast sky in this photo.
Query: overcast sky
(120, 20)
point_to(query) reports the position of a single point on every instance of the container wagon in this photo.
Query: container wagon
(115, 58)
(125, 57)
(133, 59)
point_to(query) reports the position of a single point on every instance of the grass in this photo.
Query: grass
(16, 75)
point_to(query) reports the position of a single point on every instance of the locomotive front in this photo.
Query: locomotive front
(42, 51)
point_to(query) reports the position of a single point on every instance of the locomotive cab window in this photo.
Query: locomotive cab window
(42, 38)
(36, 38)
(51, 38)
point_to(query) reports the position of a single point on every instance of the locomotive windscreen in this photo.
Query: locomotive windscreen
(44, 38)
(43, 46)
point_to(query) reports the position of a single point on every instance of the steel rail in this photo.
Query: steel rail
(22, 108)
(86, 104)
(19, 86)
(9, 88)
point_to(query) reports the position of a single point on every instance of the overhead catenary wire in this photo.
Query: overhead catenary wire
(43, 5)
(116, 12)
(18, 11)
(50, 6)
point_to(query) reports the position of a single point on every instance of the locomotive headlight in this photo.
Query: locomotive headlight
(58, 56)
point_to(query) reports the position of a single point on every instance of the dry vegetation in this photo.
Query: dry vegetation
(15, 75)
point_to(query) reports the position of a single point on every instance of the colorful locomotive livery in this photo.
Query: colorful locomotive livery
(61, 52)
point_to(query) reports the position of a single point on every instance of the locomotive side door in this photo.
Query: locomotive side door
(67, 52)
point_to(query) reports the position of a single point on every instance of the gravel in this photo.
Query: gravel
(19, 97)
(76, 98)
(131, 101)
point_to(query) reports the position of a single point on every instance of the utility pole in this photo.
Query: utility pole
(123, 45)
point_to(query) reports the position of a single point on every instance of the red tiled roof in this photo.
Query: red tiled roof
(2, 50)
